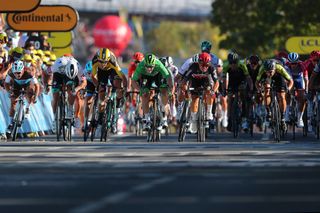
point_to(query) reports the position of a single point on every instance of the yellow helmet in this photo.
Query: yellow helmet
(27, 57)
(17, 50)
(3, 37)
(47, 53)
(53, 57)
(40, 53)
(104, 54)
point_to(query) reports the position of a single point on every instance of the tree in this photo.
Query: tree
(263, 26)
(181, 39)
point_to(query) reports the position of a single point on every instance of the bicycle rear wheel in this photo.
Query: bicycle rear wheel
(318, 121)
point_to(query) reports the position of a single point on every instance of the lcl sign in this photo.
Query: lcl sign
(303, 44)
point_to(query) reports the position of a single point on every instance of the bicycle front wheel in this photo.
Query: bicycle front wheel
(276, 121)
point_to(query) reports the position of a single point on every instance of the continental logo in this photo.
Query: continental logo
(303, 44)
(46, 18)
(18, 5)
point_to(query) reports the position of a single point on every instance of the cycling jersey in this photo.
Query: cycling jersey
(132, 68)
(309, 66)
(298, 70)
(237, 75)
(159, 68)
(189, 61)
(25, 79)
(174, 69)
(111, 65)
(279, 69)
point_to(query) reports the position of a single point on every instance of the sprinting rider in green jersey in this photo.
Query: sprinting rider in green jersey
(152, 71)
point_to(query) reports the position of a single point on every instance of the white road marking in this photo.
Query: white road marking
(119, 196)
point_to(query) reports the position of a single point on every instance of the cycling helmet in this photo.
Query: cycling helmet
(72, 69)
(47, 53)
(89, 66)
(283, 61)
(254, 59)
(269, 65)
(17, 66)
(315, 54)
(206, 46)
(3, 37)
(233, 57)
(164, 61)
(204, 58)
(53, 57)
(293, 57)
(169, 60)
(138, 56)
(150, 60)
(104, 55)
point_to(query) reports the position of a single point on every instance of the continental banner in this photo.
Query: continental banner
(46, 18)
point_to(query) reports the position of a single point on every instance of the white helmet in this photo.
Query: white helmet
(72, 69)
(17, 66)
(170, 60)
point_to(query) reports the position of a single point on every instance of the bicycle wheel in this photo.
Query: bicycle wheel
(235, 118)
(276, 121)
(183, 122)
(294, 119)
(251, 118)
(58, 122)
(201, 136)
(318, 120)
(154, 121)
(305, 122)
(18, 121)
(68, 130)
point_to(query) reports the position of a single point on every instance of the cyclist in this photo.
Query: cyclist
(205, 47)
(46, 74)
(137, 58)
(315, 78)
(201, 74)
(310, 65)
(223, 79)
(253, 65)
(271, 70)
(299, 74)
(150, 71)
(104, 68)
(90, 89)
(238, 74)
(67, 71)
(167, 61)
(19, 79)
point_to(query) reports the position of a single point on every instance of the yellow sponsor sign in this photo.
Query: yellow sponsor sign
(18, 5)
(46, 18)
(61, 51)
(59, 39)
(303, 44)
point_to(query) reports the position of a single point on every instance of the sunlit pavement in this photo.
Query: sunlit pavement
(127, 174)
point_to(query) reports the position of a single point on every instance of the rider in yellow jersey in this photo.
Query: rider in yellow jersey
(106, 68)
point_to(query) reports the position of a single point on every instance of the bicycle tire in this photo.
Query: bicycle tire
(276, 120)
(69, 129)
(318, 120)
(182, 121)
(154, 122)
(235, 117)
(305, 122)
(251, 118)
(18, 121)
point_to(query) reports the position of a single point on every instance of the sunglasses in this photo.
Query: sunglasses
(149, 66)
(18, 73)
(137, 62)
(253, 63)
(204, 65)
(102, 61)
(233, 62)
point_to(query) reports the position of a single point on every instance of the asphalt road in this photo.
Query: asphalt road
(127, 174)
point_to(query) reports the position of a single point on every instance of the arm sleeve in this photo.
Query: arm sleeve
(8, 79)
(185, 66)
(280, 69)
(162, 69)
(138, 72)
(261, 71)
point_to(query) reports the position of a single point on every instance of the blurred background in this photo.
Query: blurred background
(176, 28)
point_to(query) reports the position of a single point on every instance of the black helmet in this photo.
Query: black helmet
(164, 61)
(233, 57)
(254, 59)
(269, 65)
